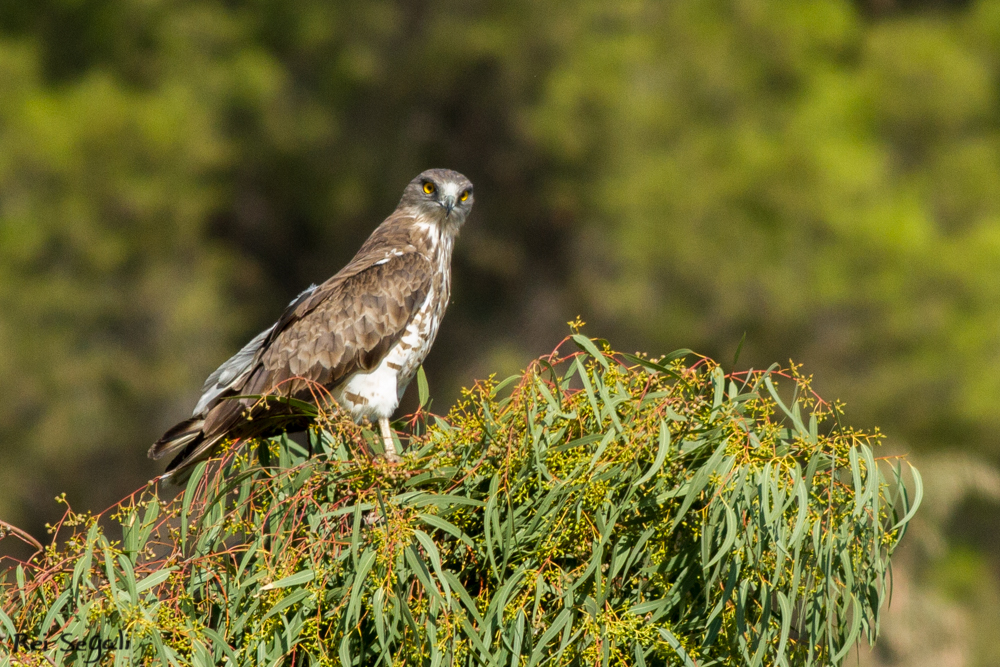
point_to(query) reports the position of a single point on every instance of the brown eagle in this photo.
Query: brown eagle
(362, 334)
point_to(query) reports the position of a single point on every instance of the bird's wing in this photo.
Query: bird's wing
(346, 324)
(327, 333)
(237, 367)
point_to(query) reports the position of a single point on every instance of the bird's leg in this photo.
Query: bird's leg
(390, 446)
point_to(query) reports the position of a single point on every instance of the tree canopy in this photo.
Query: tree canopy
(598, 508)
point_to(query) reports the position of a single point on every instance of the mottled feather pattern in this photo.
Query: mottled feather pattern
(352, 324)
(362, 333)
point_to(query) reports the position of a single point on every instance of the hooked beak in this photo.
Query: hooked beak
(448, 202)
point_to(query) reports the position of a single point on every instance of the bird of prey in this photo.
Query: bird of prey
(362, 334)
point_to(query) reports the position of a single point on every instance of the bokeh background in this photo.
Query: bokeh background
(822, 176)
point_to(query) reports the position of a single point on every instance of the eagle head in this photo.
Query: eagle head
(442, 195)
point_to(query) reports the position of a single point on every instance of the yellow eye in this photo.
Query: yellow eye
(464, 195)
(429, 188)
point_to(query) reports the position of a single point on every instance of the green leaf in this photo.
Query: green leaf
(561, 622)
(81, 572)
(296, 579)
(657, 367)
(287, 601)
(422, 389)
(432, 552)
(588, 346)
(698, 483)
(451, 529)
(154, 579)
(918, 495)
(190, 493)
(661, 454)
(358, 582)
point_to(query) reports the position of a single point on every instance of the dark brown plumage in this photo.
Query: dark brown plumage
(361, 334)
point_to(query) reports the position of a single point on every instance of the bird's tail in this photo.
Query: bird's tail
(191, 445)
(178, 437)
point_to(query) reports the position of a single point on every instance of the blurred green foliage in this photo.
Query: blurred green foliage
(826, 185)
(819, 174)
